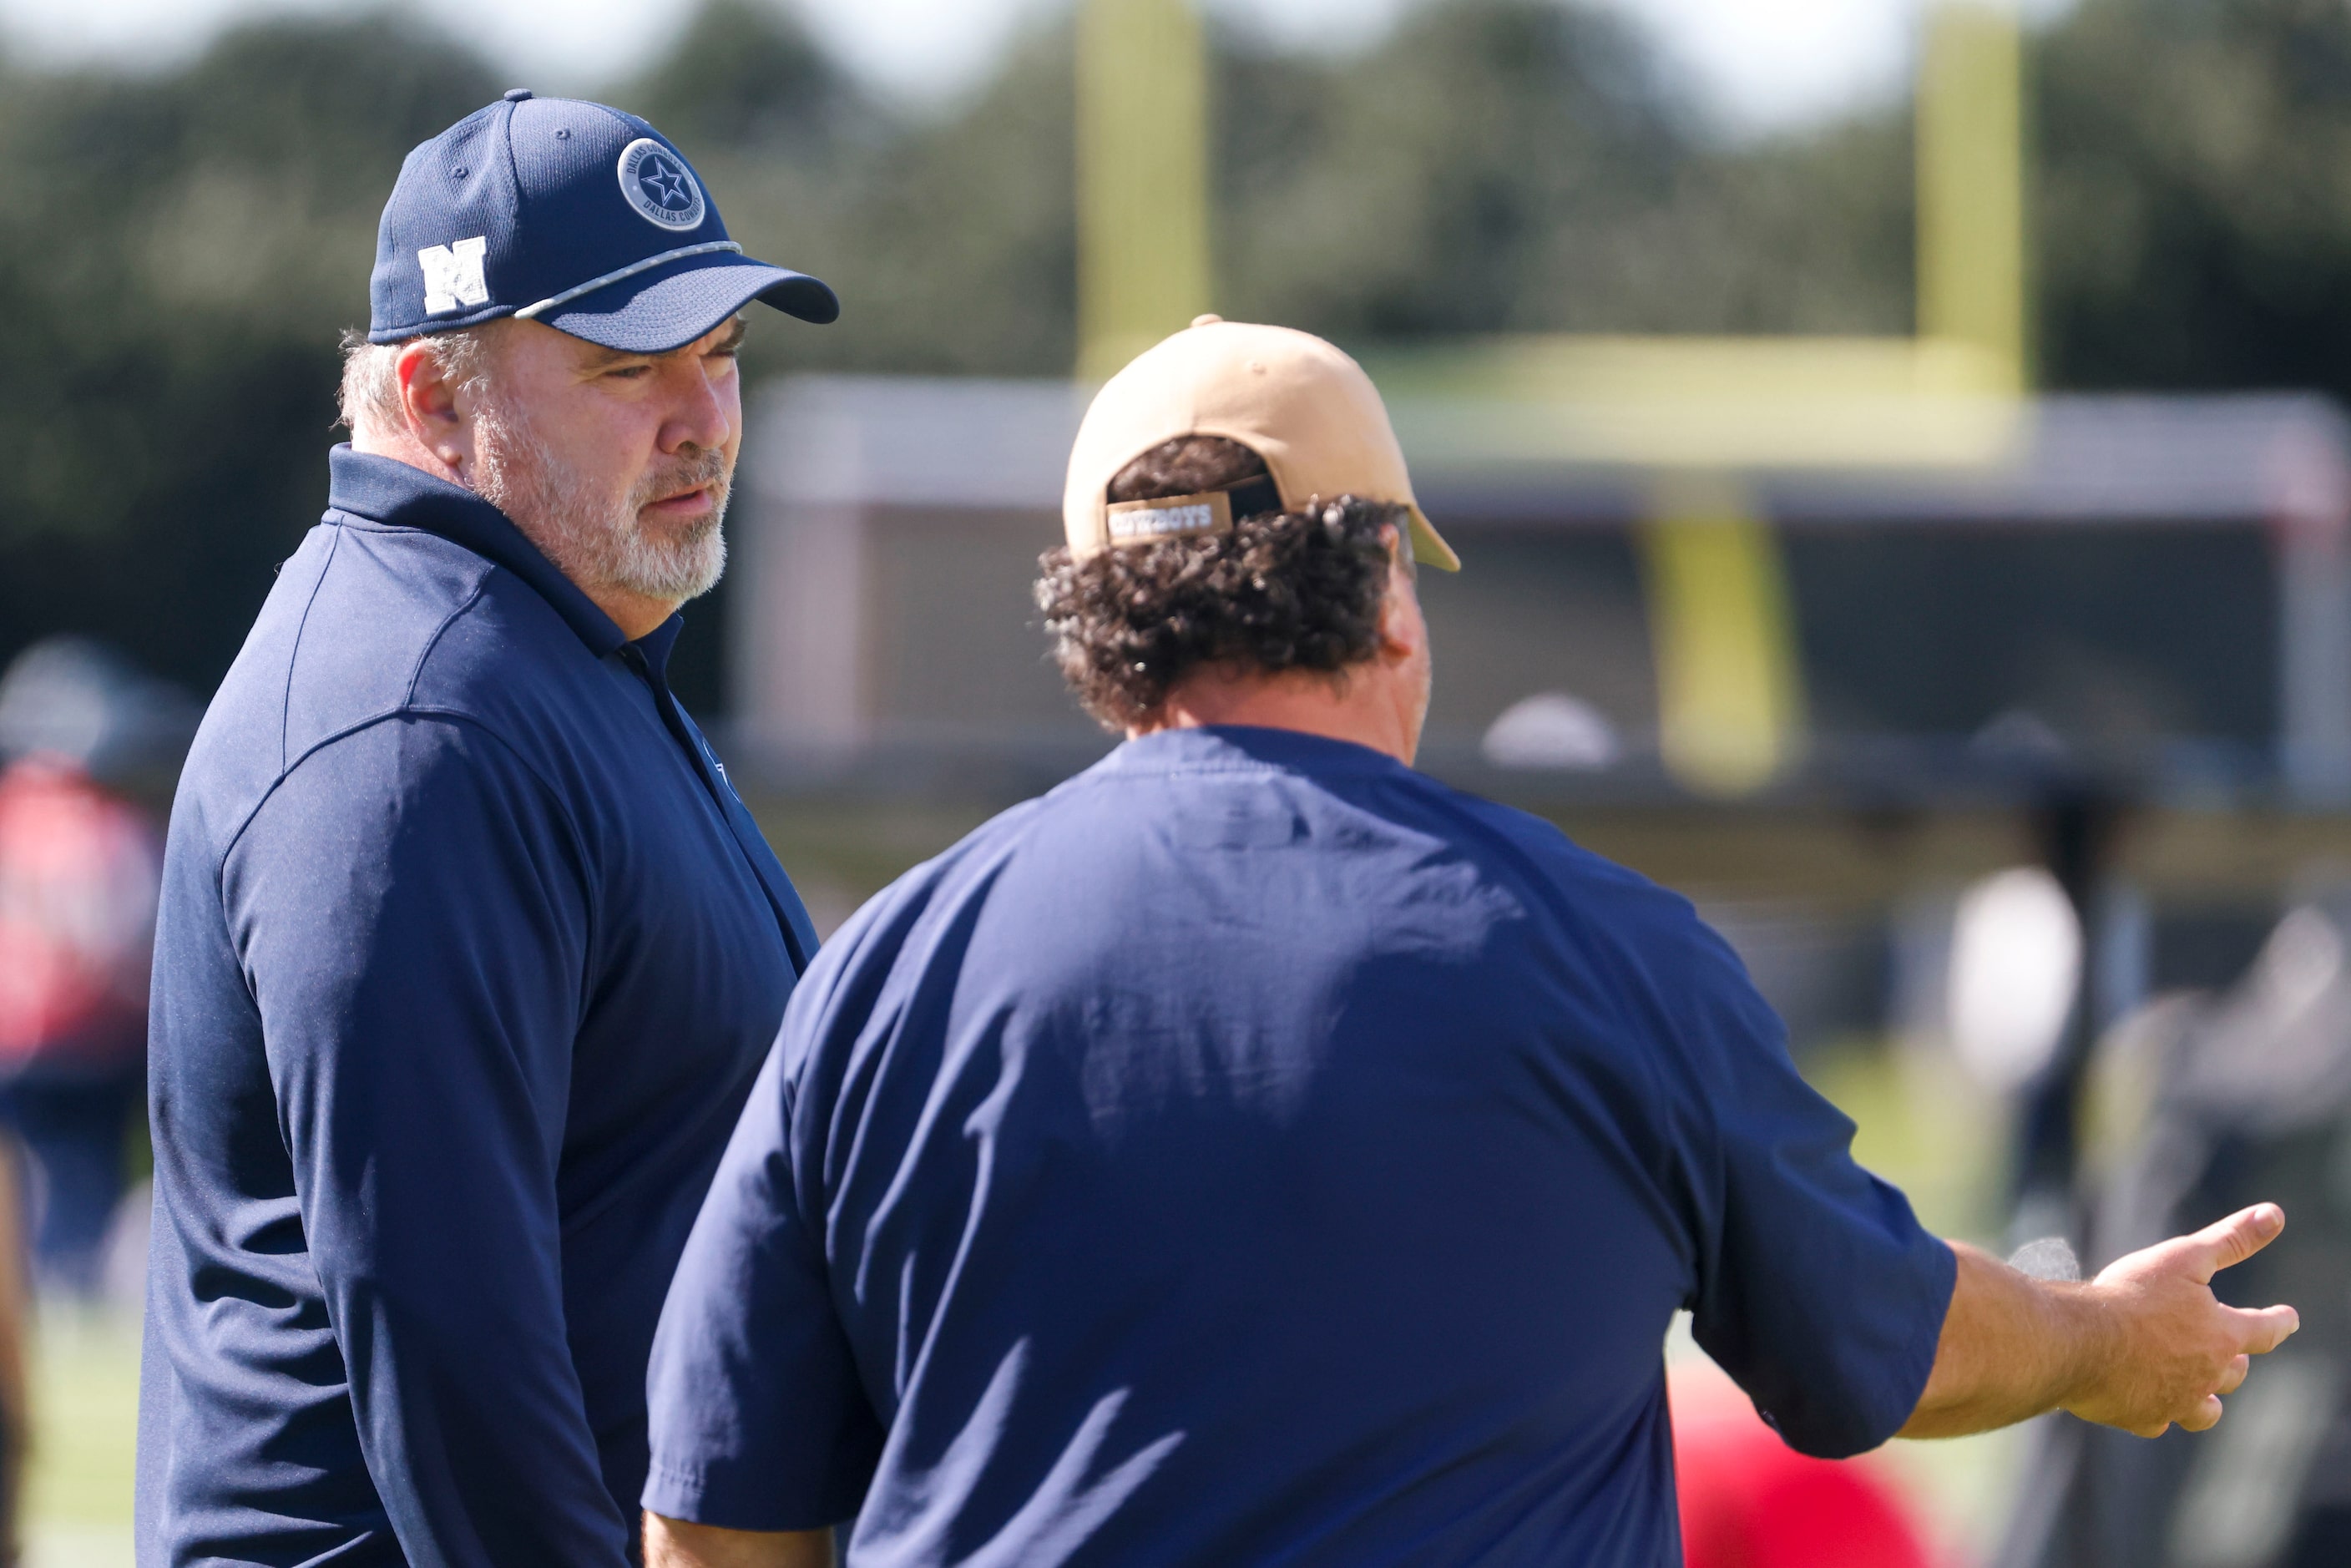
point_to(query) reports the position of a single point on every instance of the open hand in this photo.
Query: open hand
(2176, 1349)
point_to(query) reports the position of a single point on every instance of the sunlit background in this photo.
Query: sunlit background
(1897, 446)
(1755, 67)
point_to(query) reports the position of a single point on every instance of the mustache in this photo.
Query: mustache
(711, 467)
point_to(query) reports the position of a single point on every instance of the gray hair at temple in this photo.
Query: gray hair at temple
(371, 387)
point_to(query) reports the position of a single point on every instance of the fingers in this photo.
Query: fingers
(2262, 1332)
(2231, 1241)
(2188, 1349)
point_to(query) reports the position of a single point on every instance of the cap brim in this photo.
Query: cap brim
(670, 306)
(1428, 545)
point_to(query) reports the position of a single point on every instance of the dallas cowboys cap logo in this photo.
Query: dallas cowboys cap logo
(658, 185)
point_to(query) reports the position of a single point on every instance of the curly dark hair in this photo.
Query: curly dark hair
(1282, 590)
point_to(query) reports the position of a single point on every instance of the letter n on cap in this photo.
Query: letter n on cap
(453, 275)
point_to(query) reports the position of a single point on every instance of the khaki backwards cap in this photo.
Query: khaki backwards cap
(1289, 397)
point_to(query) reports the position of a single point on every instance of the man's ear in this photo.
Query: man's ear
(428, 404)
(1401, 630)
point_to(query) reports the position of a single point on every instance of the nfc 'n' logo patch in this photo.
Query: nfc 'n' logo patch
(453, 275)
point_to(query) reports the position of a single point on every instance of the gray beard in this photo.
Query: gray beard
(595, 540)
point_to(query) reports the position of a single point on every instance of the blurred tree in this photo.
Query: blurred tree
(186, 244)
(745, 78)
(1459, 178)
(1513, 165)
(185, 250)
(2194, 213)
(959, 253)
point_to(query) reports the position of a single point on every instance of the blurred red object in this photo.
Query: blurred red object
(77, 876)
(1748, 1500)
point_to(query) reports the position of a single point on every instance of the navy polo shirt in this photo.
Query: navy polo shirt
(1256, 1152)
(467, 958)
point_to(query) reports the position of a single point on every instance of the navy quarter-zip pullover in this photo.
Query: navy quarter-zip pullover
(466, 959)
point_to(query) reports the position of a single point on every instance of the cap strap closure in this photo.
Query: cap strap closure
(1254, 497)
(634, 267)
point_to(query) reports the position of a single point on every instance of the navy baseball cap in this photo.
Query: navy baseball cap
(571, 213)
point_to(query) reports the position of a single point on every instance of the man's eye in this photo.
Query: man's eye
(629, 372)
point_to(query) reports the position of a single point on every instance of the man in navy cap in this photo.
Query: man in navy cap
(467, 951)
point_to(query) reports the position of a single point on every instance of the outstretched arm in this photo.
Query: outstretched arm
(2143, 1346)
(674, 1543)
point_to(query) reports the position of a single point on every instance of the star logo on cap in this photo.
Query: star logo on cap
(660, 186)
(663, 183)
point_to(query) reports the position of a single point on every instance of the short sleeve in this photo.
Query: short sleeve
(760, 1420)
(1818, 1289)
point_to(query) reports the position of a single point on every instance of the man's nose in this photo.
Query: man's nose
(698, 415)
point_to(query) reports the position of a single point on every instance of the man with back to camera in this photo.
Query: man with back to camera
(1256, 1150)
(468, 954)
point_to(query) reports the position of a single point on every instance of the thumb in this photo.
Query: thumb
(2228, 1242)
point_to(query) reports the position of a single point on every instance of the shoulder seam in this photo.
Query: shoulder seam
(424, 655)
(450, 716)
(294, 655)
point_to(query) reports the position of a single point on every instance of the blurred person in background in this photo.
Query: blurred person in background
(1256, 1150)
(467, 951)
(1746, 1499)
(79, 867)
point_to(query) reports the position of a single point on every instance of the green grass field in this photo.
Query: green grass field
(86, 1414)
